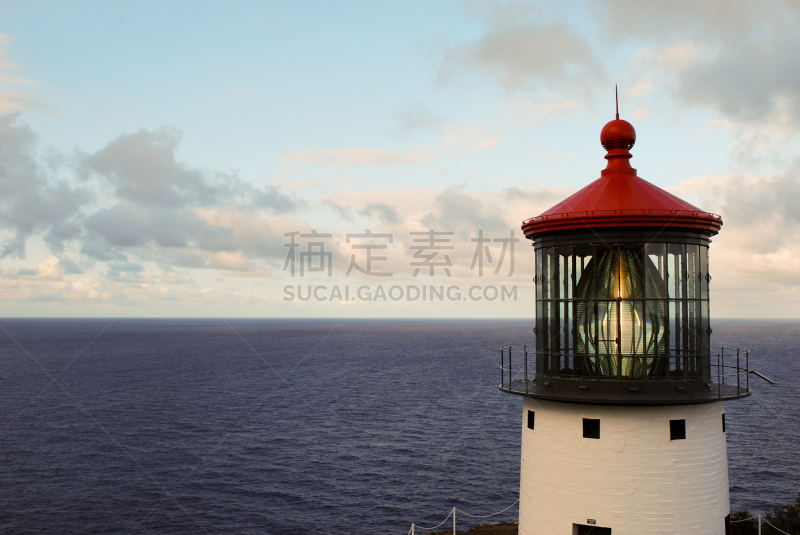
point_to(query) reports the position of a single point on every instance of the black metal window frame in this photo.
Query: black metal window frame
(684, 298)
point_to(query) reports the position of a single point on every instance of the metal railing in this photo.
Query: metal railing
(723, 366)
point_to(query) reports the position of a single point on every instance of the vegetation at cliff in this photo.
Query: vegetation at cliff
(503, 528)
(784, 517)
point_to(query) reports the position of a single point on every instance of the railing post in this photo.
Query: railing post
(525, 350)
(454, 521)
(747, 365)
(719, 381)
(502, 363)
(738, 382)
(510, 365)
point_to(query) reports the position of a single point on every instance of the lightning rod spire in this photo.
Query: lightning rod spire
(616, 97)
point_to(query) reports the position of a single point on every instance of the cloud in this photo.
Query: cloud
(383, 211)
(32, 199)
(736, 57)
(639, 89)
(142, 168)
(456, 138)
(461, 212)
(415, 116)
(519, 48)
(162, 206)
(748, 80)
(49, 270)
(656, 20)
(755, 259)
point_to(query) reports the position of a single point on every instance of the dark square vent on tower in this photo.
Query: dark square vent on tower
(531, 419)
(677, 429)
(723, 422)
(581, 529)
(591, 428)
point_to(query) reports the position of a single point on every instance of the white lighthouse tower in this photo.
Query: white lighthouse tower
(623, 413)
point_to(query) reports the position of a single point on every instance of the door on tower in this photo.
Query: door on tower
(580, 529)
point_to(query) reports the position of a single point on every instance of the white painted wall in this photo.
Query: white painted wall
(634, 479)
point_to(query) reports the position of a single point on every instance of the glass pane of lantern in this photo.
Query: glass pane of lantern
(553, 276)
(555, 332)
(693, 326)
(705, 323)
(566, 322)
(543, 324)
(539, 273)
(704, 272)
(583, 257)
(539, 321)
(700, 347)
(584, 326)
(693, 271)
(547, 272)
(655, 270)
(676, 267)
(608, 337)
(686, 337)
(565, 269)
(631, 338)
(656, 328)
(674, 328)
(609, 285)
(632, 273)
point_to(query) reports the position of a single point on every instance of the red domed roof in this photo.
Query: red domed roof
(619, 198)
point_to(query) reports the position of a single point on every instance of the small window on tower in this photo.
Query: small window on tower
(581, 529)
(591, 428)
(531, 416)
(723, 422)
(677, 429)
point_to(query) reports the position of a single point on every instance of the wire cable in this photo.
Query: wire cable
(487, 516)
(438, 525)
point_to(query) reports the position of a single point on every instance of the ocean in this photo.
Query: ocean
(306, 426)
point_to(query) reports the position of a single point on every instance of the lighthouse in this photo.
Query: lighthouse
(623, 427)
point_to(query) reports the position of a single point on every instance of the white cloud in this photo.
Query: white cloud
(736, 57)
(756, 255)
(455, 138)
(32, 200)
(49, 270)
(520, 49)
(639, 89)
(415, 116)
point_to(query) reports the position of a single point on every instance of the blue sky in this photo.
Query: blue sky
(155, 155)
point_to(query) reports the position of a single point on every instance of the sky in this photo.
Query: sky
(376, 159)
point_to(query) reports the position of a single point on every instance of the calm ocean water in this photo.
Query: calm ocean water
(312, 426)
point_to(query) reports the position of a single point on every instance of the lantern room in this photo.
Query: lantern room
(622, 294)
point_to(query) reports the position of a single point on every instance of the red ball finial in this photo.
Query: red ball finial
(617, 134)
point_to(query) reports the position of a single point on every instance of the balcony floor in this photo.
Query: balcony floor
(625, 392)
